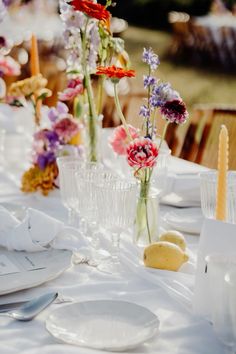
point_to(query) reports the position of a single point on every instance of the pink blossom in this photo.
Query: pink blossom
(74, 88)
(8, 66)
(66, 128)
(142, 152)
(119, 139)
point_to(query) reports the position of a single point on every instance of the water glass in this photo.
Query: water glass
(230, 279)
(86, 180)
(68, 166)
(116, 211)
(220, 313)
(159, 176)
(208, 195)
(2, 144)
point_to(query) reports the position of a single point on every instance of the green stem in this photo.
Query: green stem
(120, 113)
(100, 94)
(144, 192)
(92, 110)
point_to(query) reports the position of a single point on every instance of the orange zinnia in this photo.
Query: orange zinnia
(114, 72)
(91, 9)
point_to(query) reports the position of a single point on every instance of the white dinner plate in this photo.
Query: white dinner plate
(24, 270)
(187, 220)
(103, 324)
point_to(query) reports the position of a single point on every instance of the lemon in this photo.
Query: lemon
(174, 237)
(77, 139)
(164, 255)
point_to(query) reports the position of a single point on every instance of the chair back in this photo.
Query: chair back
(202, 138)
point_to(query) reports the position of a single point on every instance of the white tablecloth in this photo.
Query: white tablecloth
(180, 331)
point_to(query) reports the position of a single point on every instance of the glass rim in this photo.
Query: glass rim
(219, 258)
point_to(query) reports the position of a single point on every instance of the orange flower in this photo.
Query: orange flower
(91, 9)
(114, 72)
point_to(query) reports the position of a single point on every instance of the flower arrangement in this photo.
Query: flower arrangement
(90, 43)
(32, 89)
(62, 138)
(141, 148)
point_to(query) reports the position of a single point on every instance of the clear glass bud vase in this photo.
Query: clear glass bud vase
(147, 215)
(93, 138)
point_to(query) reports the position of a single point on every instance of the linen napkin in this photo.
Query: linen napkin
(183, 190)
(37, 232)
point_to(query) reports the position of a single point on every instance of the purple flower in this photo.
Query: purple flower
(150, 58)
(52, 138)
(175, 111)
(144, 111)
(45, 159)
(57, 112)
(148, 81)
(161, 94)
(52, 114)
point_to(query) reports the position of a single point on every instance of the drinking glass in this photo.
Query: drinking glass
(86, 180)
(230, 280)
(2, 144)
(220, 313)
(116, 211)
(68, 166)
(159, 176)
(208, 195)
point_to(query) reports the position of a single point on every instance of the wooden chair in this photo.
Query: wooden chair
(182, 37)
(201, 141)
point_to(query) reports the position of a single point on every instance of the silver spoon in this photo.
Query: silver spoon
(30, 309)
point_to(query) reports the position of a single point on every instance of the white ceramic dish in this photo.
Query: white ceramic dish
(187, 220)
(47, 265)
(103, 324)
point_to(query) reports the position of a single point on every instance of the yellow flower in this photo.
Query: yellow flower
(77, 139)
(36, 179)
(28, 86)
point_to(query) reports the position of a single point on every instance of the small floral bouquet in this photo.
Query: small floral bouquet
(90, 43)
(32, 89)
(62, 138)
(142, 148)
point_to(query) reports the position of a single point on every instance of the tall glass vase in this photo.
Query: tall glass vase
(147, 215)
(93, 138)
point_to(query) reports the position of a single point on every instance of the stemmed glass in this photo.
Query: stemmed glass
(86, 180)
(116, 201)
(68, 166)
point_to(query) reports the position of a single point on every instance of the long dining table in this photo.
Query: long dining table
(180, 332)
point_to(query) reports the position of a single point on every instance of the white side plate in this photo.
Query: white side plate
(103, 324)
(32, 269)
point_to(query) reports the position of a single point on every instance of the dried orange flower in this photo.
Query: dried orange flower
(36, 179)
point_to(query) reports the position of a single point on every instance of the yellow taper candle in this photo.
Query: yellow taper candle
(34, 57)
(221, 193)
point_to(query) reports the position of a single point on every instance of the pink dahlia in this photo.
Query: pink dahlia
(119, 139)
(175, 111)
(66, 128)
(141, 153)
(74, 88)
(8, 66)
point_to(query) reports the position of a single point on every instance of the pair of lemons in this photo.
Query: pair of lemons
(168, 253)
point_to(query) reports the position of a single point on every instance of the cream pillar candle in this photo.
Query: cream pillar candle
(34, 57)
(221, 194)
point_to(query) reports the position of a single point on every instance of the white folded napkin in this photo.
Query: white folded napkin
(183, 190)
(37, 232)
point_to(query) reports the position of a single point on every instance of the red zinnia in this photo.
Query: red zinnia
(91, 9)
(114, 72)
